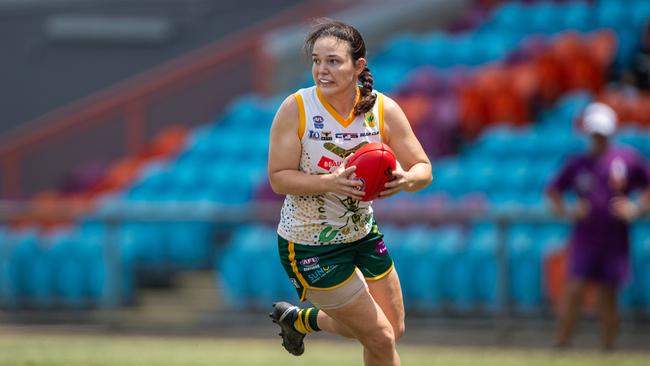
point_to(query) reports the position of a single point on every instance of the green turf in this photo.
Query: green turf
(49, 350)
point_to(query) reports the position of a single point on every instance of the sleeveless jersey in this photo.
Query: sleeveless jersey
(327, 138)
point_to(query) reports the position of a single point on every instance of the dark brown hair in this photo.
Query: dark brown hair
(331, 28)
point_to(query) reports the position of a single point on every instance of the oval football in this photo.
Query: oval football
(375, 163)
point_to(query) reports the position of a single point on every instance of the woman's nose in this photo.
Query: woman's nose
(322, 68)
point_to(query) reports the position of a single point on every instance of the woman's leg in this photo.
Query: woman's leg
(367, 323)
(387, 293)
(328, 324)
(608, 315)
(569, 312)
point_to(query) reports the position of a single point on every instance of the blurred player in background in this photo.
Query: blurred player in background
(602, 179)
(328, 241)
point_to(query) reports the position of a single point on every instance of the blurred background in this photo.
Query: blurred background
(134, 137)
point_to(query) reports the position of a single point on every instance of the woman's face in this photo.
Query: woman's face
(332, 67)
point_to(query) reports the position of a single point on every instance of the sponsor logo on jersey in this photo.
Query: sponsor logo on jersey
(295, 283)
(326, 136)
(347, 136)
(310, 263)
(380, 248)
(369, 120)
(341, 152)
(327, 163)
(320, 273)
(320, 135)
(318, 122)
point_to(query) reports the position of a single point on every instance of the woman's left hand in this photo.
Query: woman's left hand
(400, 181)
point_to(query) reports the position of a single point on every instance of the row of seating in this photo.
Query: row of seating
(56, 271)
(445, 268)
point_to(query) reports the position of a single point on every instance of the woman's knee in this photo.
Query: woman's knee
(398, 330)
(379, 341)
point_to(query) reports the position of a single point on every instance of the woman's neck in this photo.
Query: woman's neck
(343, 102)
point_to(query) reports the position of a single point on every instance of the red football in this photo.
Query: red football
(375, 163)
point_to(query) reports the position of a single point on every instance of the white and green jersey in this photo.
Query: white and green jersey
(327, 138)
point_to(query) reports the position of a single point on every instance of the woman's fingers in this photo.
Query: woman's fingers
(388, 192)
(347, 172)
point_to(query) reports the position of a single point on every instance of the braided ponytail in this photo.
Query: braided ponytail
(368, 98)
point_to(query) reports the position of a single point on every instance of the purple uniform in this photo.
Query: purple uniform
(599, 248)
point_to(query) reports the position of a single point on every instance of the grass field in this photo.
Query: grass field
(95, 350)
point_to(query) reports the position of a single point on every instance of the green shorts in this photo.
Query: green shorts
(326, 267)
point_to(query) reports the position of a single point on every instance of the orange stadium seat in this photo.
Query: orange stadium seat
(47, 210)
(549, 74)
(602, 46)
(580, 69)
(506, 106)
(642, 109)
(524, 80)
(472, 109)
(416, 107)
(167, 142)
(119, 175)
(501, 100)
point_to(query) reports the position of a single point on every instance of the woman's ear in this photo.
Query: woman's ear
(360, 65)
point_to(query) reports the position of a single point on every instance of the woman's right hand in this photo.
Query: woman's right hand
(342, 181)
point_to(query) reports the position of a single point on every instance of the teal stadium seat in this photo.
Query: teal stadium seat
(422, 268)
(577, 16)
(37, 272)
(69, 272)
(525, 263)
(456, 269)
(482, 247)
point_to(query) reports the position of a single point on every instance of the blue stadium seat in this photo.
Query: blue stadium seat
(609, 14)
(36, 270)
(189, 244)
(246, 111)
(483, 257)
(402, 49)
(456, 271)
(249, 277)
(11, 288)
(525, 264)
(480, 175)
(577, 16)
(422, 268)
(69, 269)
(639, 291)
(389, 75)
(542, 17)
(507, 17)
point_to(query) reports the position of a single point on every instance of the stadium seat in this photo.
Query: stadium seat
(69, 276)
(525, 265)
(483, 242)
